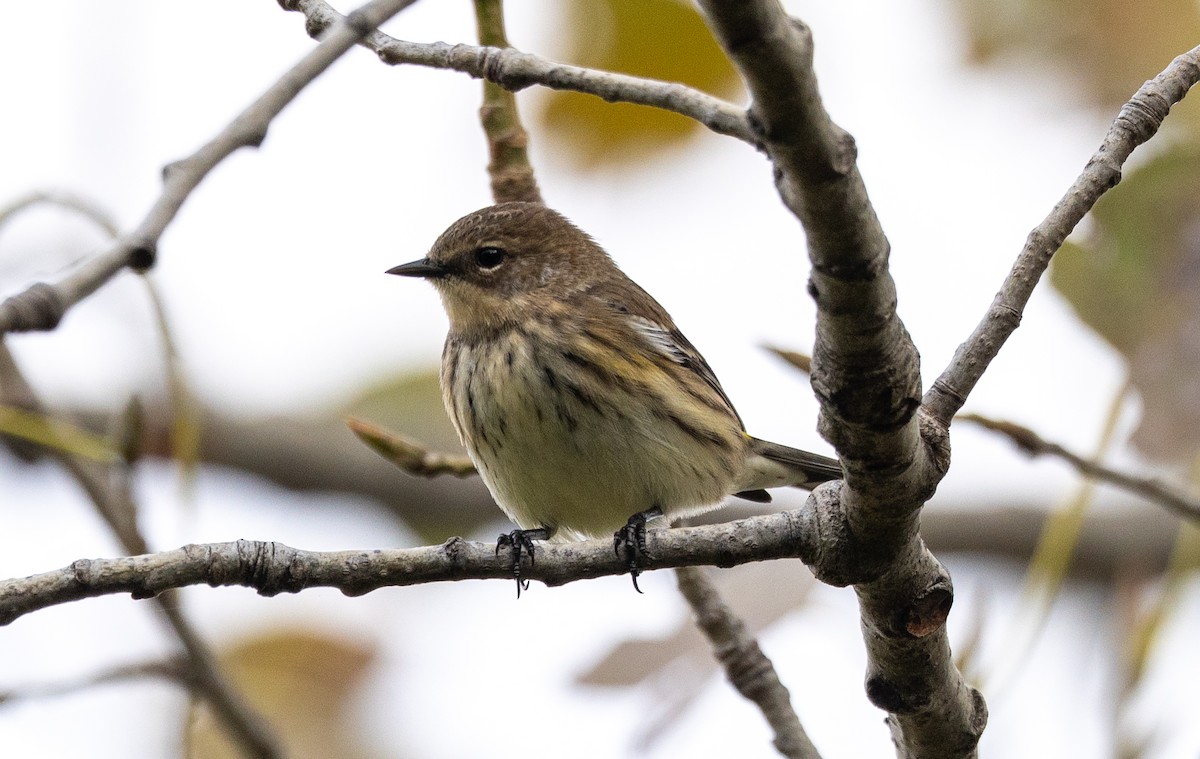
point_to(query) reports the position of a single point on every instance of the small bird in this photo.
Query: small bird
(585, 410)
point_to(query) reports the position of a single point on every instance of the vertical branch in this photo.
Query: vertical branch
(866, 374)
(747, 667)
(511, 174)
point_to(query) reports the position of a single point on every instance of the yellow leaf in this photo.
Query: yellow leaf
(661, 39)
(54, 433)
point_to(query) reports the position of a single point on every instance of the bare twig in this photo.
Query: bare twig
(747, 667)
(1147, 487)
(42, 305)
(509, 169)
(61, 199)
(798, 360)
(1137, 122)
(408, 454)
(274, 568)
(515, 70)
(110, 490)
(172, 669)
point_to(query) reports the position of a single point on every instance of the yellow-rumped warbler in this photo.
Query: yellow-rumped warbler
(582, 405)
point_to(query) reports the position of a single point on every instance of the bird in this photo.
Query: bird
(586, 411)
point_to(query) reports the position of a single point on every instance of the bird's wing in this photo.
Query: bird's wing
(651, 323)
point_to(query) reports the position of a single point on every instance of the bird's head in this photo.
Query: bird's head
(494, 265)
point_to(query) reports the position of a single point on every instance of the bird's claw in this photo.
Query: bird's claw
(629, 543)
(520, 542)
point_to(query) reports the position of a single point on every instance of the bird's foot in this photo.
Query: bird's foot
(629, 542)
(521, 541)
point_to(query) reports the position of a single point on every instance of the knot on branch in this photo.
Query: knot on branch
(839, 557)
(41, 307)
(494, 66)
(893, 699)
(314, 25)
(143, 257)
(1143, 115)
(458, 555)
(267, 566)
(928, 611)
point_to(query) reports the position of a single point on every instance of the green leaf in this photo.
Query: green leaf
(55, 433)
(1135, 279)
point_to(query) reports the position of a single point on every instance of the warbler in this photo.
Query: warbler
(585, 410)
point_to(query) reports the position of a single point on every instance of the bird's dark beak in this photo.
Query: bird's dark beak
(424, 268)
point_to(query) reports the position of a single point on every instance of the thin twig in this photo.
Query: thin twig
(175, 669)
(511, 175)
(1149, 488)
(43, 305)
(747, 667)
(515, 70)
(61, 199)
(1137, 122)
(409, 454)
(797, 360)
(110, 489)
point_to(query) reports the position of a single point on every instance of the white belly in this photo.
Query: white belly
(554, 455)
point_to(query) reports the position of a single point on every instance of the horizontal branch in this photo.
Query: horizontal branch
(43, 305)
(1146, 487)
(515, 70)
(1137, 122)
(272, 568)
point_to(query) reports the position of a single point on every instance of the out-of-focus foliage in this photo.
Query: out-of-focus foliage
(410, 403)
(303, 683)
(1131, 278)
(1135, 279)
(662, 39)
(1108, 46)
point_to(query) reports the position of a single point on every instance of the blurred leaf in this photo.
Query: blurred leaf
(662, 39)
(55, 433)
(410, 406)
(1135, 279)
(1108, 46)
(410, 403)
(675, 664)
(303, 683)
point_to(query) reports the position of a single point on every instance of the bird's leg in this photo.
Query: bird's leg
(631, 541)
(521, 541)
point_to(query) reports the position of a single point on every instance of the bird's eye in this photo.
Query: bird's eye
(489, 257)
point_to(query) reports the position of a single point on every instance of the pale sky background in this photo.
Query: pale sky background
(272, 275)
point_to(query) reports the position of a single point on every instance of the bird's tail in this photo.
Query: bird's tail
(772, 465)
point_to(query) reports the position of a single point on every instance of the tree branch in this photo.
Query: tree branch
(866, 374)
(511, 175)
(175, 670)
(747, 667)
(273, 568)
(1146, 487)
(110, 490)
(409, 454)
(515, 70)
(43, 305)
(1137, 122)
